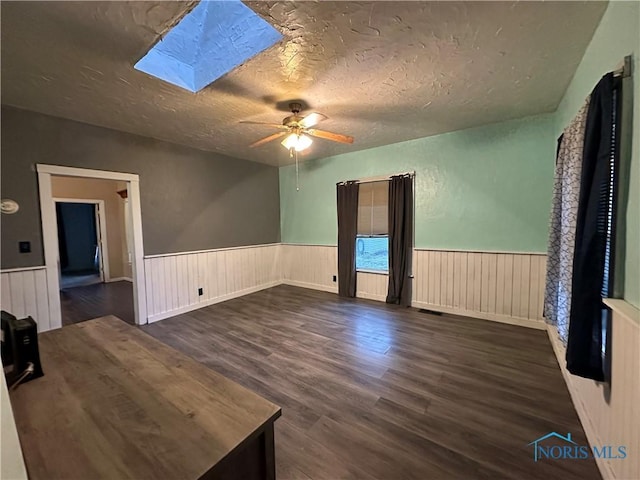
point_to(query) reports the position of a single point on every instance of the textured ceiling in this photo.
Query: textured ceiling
(383, 72)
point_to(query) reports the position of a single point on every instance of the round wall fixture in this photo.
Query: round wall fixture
(9, 206)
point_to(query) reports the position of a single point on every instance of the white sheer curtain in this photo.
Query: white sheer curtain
(562, 229)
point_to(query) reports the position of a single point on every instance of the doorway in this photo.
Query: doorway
(93, 256)
(115, 264)
(82, 242)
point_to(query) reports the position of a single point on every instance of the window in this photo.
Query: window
(372, 241)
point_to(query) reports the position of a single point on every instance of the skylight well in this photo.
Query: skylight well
(211, 40)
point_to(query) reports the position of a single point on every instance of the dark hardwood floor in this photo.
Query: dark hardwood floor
(98, 300)
(369, 390)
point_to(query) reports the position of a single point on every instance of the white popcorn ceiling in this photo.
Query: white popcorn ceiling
(383, 72)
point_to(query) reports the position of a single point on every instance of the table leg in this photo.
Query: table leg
(269, 453)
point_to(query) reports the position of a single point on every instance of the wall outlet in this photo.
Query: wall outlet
(335, 279)
(200, 292)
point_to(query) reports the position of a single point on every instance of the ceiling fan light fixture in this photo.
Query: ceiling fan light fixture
(296, 141)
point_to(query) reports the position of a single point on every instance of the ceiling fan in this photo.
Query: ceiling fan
(298, 130)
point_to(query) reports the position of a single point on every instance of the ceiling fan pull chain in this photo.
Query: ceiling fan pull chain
(297, 182)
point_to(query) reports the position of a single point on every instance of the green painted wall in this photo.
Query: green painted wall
(486, 188)
(617, 35)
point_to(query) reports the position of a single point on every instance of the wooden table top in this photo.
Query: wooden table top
(116, 403)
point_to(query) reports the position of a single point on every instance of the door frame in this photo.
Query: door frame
(50, 234)
(101, 227)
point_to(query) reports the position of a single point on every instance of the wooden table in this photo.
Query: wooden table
(116, 403)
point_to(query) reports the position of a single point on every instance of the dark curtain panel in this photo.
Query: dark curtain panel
(584, 345)
(400, 239)
(62, 238)
(347, 229)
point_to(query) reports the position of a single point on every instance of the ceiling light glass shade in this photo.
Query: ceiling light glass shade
(298, 142)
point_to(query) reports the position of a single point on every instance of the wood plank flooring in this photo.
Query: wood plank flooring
(115, 403)
(369, 390)
(99, 300)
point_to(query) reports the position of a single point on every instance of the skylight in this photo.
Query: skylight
(211, 40)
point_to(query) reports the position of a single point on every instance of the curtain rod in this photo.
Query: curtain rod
(625, 70)
(379, 178)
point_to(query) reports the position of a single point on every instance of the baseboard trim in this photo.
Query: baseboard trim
(581, 409)
(311, 286)
(521, 322)
(119, 279)
(212, 301)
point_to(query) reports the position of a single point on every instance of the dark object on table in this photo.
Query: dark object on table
(20, 355)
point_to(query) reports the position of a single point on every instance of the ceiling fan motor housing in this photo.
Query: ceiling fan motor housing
(293, 120)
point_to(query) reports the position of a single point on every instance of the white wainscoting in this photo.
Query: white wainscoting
(172, 280)
(310, 266)
(314, 266)
(373, 286)
(504, 287)
(615, 421)
(25, 292)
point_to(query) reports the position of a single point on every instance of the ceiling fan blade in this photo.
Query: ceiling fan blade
(334, 137)
(312, 119)
(272, 125)
(264, 140)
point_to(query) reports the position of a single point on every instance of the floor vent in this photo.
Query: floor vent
(430, 312)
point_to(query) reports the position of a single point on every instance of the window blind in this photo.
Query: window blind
(373, 208)
(606, 218)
